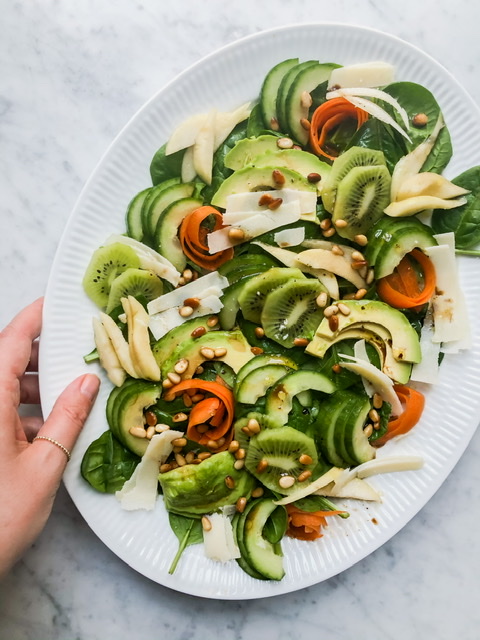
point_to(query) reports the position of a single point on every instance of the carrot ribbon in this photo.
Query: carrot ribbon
(193, 238)
(414, 403)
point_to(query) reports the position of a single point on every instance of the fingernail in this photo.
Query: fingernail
(89, 386)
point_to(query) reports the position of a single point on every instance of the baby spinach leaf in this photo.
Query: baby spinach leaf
(374, 134)
(385, 412)
(107, 464)
(463, 221)
(415, 99)
(188, 531)
(276, 525)
(255, 124)
(318, 503)
(164, 167)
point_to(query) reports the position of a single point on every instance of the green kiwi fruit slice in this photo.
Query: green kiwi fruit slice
(106, 264)
(252, 296)
(362, 196)
(353, 157)
(134, 282)
(265, 422)
(273, 457)
(291, 311)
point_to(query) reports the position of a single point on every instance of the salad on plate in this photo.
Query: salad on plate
(281, 297)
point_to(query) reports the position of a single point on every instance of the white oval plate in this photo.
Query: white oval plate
(233, 75)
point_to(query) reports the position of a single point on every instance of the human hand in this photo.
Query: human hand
(30, 471)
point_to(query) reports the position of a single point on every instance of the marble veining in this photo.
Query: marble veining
(72, 74)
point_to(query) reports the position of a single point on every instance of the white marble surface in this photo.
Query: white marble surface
(72, 74)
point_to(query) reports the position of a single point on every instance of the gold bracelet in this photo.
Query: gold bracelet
(64, 449)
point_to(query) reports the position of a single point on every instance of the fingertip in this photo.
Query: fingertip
(89, 386)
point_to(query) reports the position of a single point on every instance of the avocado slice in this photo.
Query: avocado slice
(198, 489)
(258, 179)
(302, 162)
(167, 344)
(405, 342)
(247, 149)
(238, 351)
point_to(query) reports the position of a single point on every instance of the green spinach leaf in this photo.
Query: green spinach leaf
(385, 412)
(188, 531)
(318, 503)
(164, 167)
(107, 464)
(374, 134)
(255, 124)
(463, 221)
(276, 525)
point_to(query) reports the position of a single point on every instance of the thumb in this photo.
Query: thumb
(69, 414)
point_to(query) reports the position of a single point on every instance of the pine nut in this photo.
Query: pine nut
(239, 464)
(253, 426)
(304, 476)
(192, 302)
(185, 311)
(286, 482)
(256, 351)
(169, 397)
(220, 442)
(177, 449)
(274, 126)
(173, 465)
(330, 311)
(328, 233)
(220, 352)
(361, 239)
(305, 124)
(181, 282)
(160, 428)
(197, 397)
(180, 460)
(150, 418)
(420, 120)
(357, 256)
(306, 100)
(190, 457)
(344, 309)
(212, 321)
(212, 444)
(284, 143)
(300, 342)
(150, 432)
(236, 234)
(322, 299)
(361, 293)
(325, 224)
(206, 524)
(276, 202)
(180, 417)
(278, 177)
(179, 442)
(333, 323)
(241, 504)
(258, 492)
(167, 384)
(377, 400)
(165, 467)
(373, 415)
(337, 368)
(199, 370)
(259, 332)
(137, 432)
(305, 459)
(240, 454)
(338, 251)
(265, 200)
(247, 431)
(233, 446)
(202, 428)
(187, 400)
(181, 366)
(313, 178)
(207, 353)
(376, 426)
(359, 264)
(341, 224)
(370, 276)
(174, 377)
(187, 275)
(230, 482)
(204, 455)
(368, 430)
(262, 465)
(198, 332)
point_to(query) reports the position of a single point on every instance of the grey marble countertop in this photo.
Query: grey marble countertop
(72, 74)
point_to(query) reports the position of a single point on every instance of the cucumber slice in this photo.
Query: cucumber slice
(403, 240)
(238, 525)
(153, 193)
(166, 240)
(261, 554)
(269, 91)
(166, 346)
(133, 217)
(152, 210)
(355, 441)
(283, 90)
(305, 81)
(262, 361)
(255, 384)
(331, 411)
(352, 414)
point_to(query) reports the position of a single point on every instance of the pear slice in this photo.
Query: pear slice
(119, 344)
(363, 74)
(107, 354)
(225, 122)
(204, 147)
(185, 134)
(139, 340)
(129, 319)
(429, 184)
(339, 265)
(411, 206)
(188, 170)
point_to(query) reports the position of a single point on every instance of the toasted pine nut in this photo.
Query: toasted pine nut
(197, 397)
(220, 352)
(207, 353)
(313, 178)
(202, 428)
(357, 256)
(246, 431)
(185, 311)
(150, 418)
(377, 401)
(275, 203)
(150, 432)
(306, 100)
(236, 234)
(370, 276)
(137, 432)
(165, 467)
(187, 275)
(361, 293)
(286, 482)
(338, 251)
(256, 351)
(239, 464)
(305, 459)
(333, 323)
(341, 224)
(181, 282)
(368, 430)
(325, 224)
(179, 442)
(278, 177)
(274, 126)
(359, 264)
(265, 200)
(304, 475)
(190, 457)
(180, 417)
(328, 233)
(180, 460)
(240, 454)
(259, 332)
(174, 377)
(199, 370)
(233, 446)
(361, 239)
(187, 400)
(206, 524)
(376, 426)
(330, 311)
(241, 504)
(160, 428)
(230, 482)
(253, 426)
(322, 299)
(204, 455)
(181, 366)
(212, 444)
(420, 120)
(258, 492)
(284, 143)
(212, 321)
(192, 302)
(344, 309)
(337, 368)
(300, 342)
(262, 465)
(305, 124)
(198, 332)
(167, 384)
(373, 415)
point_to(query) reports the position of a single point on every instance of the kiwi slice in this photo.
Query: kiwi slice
(362, 196)
(252, 296)
(274, 454)
(265, 422)
(134, 282)
(291, 311)
(106, 264)
(353, 157)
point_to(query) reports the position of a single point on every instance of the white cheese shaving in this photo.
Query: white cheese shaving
(140, 491)
(360, 352)
(363, 74)
(369, 92)
(195, 289)
(163, 322)
(219, 542)
(290, 237)
(355, 489)
(248, 201)
(427, 369)
(322, 481)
